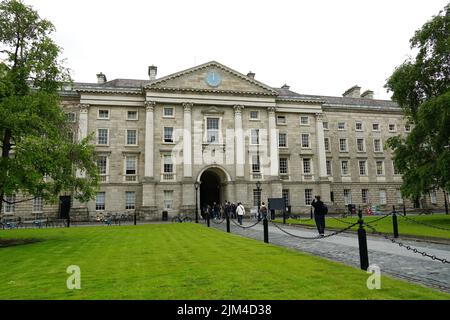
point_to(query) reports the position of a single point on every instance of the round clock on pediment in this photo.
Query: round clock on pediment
(213, 78)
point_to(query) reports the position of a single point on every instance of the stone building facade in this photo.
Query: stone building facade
(155, 138)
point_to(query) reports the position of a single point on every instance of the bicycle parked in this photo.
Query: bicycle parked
(181, 218)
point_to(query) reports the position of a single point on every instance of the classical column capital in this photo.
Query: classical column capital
(84, 108)
(238, 109)
(272, 110)
(150, 106)
(188, 106)
(319, 116)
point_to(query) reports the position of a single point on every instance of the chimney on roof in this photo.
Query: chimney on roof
(285, 86)
(368, 94)
(353, 92)
(152, 71)
(101, 78)
(251, 75)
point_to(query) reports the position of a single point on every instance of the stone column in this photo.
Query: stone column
(82, 130)
(239, 137)
(83, 122)
(187, 140)
(273, 139)
(149, 133)
(321, 155)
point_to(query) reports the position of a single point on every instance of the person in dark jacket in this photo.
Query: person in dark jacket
(320, 210)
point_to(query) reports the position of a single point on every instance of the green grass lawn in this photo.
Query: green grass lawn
(178, 261)
(405, 227)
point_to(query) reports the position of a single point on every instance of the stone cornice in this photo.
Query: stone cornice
(233, 92)
(109, 90)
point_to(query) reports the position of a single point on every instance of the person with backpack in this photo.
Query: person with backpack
(263, 212)
(320, 210)
(240, 210)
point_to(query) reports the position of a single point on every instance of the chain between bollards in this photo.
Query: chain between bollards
(362, 241)
(266, 229)
(394, 222)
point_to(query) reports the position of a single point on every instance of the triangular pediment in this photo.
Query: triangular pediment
(221, 80)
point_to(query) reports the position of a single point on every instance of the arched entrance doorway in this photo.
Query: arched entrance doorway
(213, 186)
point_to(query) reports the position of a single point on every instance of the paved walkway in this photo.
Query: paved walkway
(390, 257)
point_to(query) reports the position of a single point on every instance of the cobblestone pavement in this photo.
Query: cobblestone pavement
(391, 258)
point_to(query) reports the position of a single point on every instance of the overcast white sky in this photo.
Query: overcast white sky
(317, 47)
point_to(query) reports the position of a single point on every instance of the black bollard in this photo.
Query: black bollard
(266, 230)
(395, 223)
(284, 216)
(207, 219)
(135, 218)
(68, 220)
(311, 213)
(362, 241)
(404, 210)
(228, 223)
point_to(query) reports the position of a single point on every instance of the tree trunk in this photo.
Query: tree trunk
(6, 148)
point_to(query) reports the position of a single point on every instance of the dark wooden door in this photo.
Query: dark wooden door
(64, 207)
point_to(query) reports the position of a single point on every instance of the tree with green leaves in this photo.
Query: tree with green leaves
(39, 157)
(421, 87)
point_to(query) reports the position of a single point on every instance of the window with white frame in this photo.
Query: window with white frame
(130, 200)
(212, 130)
(383, 199)
(380, 167)
(168, 112)
(399, 196)
(304, 121)
(255, 136)
(282, 140)
(347, 196)
(327, 144)
(285, 195)
(325, 125)
(256, 197)
(394, 168)
(365, 195)
(131, 137)
(168, 134)
(71, 117)
(256, 168)
(433, 197)
(360, 145)
(103, 114)
(10, 205)
(102, 165)
(341, 126)
(392, 127)
(168, 164)
(375, 127)
(377, 147)
(132, 115)
(283, 166)
(168, 199)
(100, 201)
(328, 166)
(38, 204)
(306, 166)
(102, 137)
(344, 167)
(131, 165)
(308, 196)
(281, 120)
(343, 145)
(359, 126)
(305, 141)
(254, 115)
(362, 167)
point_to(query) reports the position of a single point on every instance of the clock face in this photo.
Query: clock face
(213, 79)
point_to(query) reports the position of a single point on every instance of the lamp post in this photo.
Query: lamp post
(258, 190)
(196, 185)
